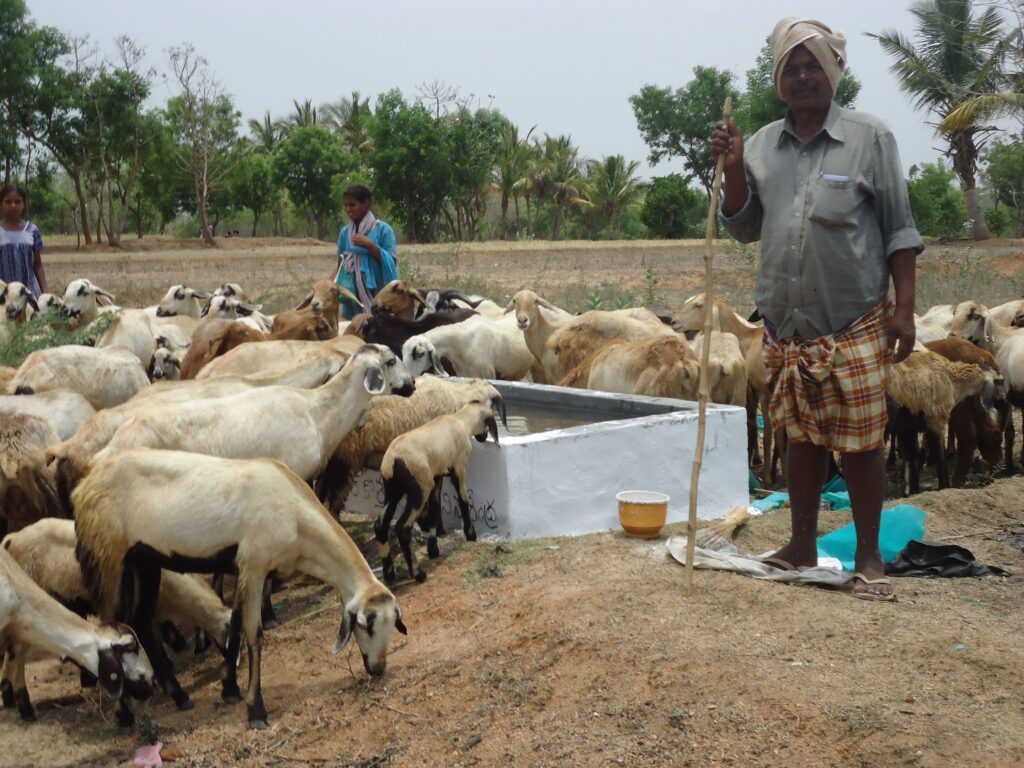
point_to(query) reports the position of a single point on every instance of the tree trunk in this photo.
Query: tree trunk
(504, 215)
(965, 157)
(979, 229)
(255, 221)
(83, 208)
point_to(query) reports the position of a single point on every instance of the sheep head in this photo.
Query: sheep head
(525, 304)
(400, 298)
(480, 419)
(371, 616)
(122, 664)
(689, 319)
(82, 298)
(420, 356)
(164, 365)
(180, 300)
(50, 303)
(383, 372)
(17, 298)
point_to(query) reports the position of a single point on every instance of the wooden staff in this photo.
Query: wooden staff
(702, 397)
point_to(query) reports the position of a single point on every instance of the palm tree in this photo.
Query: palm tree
(349, 117)
(562, 169)
(266, 134)
(513, 154)
(305, 114)
(613, 189)
(955, 55)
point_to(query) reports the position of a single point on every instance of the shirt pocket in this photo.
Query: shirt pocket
(835, 203)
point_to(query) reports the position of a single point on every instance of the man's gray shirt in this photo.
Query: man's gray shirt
(829, 214)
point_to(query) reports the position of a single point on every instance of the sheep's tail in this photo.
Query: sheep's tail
(335, 483)
(24, 389)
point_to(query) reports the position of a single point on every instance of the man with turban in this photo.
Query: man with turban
(824, 192)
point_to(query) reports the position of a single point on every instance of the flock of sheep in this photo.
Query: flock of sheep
(200, 436)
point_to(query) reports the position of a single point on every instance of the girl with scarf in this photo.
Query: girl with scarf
(367, 252)
(21, 245)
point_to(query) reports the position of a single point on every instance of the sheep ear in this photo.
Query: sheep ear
(399, 624)
(348, 620)
(345, 293)
(509, 307)
(545, 303)
(373, 380)
(101, 292)
(248, 309)
(202, 294)
(110, 673)
(436, 368)
(492, 427)
(305, 302)
(417, 296)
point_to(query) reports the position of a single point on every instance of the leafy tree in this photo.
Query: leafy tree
(673, 209)
(612, 188)
(252, 184)
(678, 123)
(955, 54)
(1004, 176)
(305, 115)
(265, 135)
(205, 121)
(305, 164)
(938, 210)
(409, 163)
(761, 104)
(510, 167)
(472, 141)
(350, 119)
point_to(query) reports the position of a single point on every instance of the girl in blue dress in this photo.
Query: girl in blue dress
(21, 244)
(367, 251)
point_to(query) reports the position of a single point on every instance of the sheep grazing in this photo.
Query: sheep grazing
(386, 419)
(29, 618)
(299, 427)
(399, 298)
(105, 377)
(83, 302)
(322, 302)
(18, 302)
(970, 422)
(561, 345)
(50, 305)
(46, 552)
(141, 511)
(662, 366)
(27, 489)
(923, 390)
(414, 467)
(181, 301)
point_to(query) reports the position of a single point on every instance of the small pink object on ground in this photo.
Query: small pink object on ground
(148, 756)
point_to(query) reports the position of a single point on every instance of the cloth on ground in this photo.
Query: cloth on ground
(725, 557)
(899, 525)
(934, 558)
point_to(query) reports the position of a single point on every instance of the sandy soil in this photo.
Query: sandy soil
(586, 651)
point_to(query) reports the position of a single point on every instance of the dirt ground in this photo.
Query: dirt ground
(586, 651)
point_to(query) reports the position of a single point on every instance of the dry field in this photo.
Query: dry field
(586, 651)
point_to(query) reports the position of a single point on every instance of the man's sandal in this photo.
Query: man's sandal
(865, 595)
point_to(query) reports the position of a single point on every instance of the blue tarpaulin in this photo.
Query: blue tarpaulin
(899, 526)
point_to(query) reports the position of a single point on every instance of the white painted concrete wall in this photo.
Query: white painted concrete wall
(564, 482)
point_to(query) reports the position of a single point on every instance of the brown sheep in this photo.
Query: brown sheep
(663, 366)
(323, 301)
(213, 338)
(400, 298)
(27, 486)
(970, 423)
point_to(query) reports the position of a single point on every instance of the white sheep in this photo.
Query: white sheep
(274, 356)
(140, 511)
(30, 618)
(45, 550)
(130, 329)
(50, 304)
(727, 371)
(65, 411)
(105, 377)
(182, 301)
(299, 427)
(1006, 343)
(413, 469)
(165, 365)
(18, 302)
(479, 347)
(84, 301)
(388, 417)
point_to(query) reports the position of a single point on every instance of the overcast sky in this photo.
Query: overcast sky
(566, 66)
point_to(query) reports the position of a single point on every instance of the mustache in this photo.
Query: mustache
(799, 90)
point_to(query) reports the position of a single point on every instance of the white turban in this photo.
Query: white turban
(828, 47)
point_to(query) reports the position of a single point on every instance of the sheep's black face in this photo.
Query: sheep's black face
(161, 312)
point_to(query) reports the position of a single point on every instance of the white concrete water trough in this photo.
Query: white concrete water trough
(568, 452)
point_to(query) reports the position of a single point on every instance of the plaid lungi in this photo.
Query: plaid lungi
(830, 391)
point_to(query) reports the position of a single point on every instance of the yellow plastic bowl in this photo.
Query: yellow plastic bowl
(642, 513)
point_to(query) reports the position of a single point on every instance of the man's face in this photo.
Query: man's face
(803, 83)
